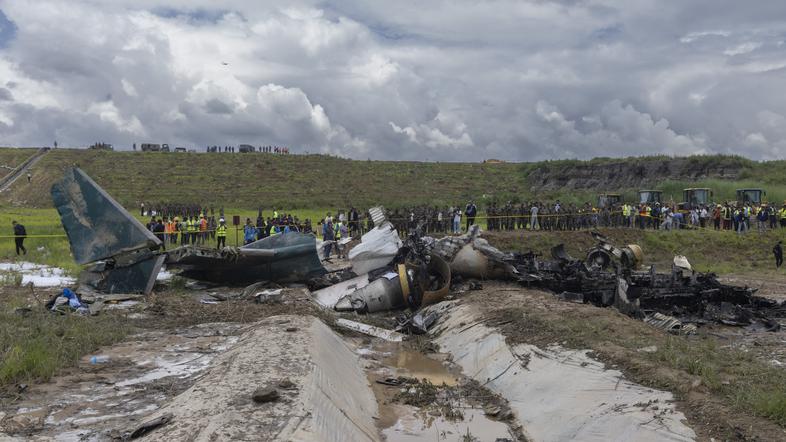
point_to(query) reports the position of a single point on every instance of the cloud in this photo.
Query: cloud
(454, 81)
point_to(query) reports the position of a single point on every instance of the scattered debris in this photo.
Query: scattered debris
(418, 323)
(669, 324)
(388, 335)
(268, 296)
(378, 247)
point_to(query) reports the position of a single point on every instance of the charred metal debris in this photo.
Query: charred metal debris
(387, 273)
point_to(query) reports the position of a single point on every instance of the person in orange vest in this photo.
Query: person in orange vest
(167, 229)
(173, 228)
(202, 229)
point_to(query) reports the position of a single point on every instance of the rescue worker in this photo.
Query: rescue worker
(174, 230)
(182, 227)
(19, 237)
(202, 229)
(192, 230)
(221, 234)
(782, 215)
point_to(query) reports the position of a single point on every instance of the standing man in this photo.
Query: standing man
(471, 212)
(533, 222)
(221, 234)
(29, 176)
(249, 232)
(19, 237)
(160, 231)
(142, 209)
(778, 251)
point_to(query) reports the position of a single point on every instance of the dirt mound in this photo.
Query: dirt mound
(630, 173)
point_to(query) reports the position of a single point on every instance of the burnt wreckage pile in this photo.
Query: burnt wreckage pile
(388, 273)
(613, 276)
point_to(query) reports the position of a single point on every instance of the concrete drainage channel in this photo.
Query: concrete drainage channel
(557, 394)
(293, 378)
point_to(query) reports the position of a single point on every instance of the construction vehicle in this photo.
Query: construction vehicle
(609, 200)
(750, 196)
(246, 148)
(181, 149)
(650, 196)
(695, 197)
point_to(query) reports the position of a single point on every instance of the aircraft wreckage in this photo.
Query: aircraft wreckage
(122, 256)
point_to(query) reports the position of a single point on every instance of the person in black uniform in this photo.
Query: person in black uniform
(19, 237)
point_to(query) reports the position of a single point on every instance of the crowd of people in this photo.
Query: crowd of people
(193, 224)
(196, 225)
(248, 148)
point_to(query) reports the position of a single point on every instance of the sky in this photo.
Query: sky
(458, 80)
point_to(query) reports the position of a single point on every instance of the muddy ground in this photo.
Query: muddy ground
(176, 336)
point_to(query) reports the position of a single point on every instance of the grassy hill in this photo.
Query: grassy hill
(13, 158)
(251, 180)
(319, 181)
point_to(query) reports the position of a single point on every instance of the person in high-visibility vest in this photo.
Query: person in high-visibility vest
(202, 229)
(191, 225)
(221, 234)
(172, 227)
(782, 215)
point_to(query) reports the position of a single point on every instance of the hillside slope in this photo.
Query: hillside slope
(251, 180)
(319, 181)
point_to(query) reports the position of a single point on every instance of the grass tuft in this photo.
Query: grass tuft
(36, 345)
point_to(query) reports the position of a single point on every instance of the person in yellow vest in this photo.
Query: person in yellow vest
(191, 225)
(221, 234)
(626, 215)
(782, 216)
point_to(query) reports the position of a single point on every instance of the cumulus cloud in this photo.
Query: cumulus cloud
(461, 80)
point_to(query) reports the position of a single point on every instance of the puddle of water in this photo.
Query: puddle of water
(404, 423)
(414, 428)
(40, 275)
(417, 365)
